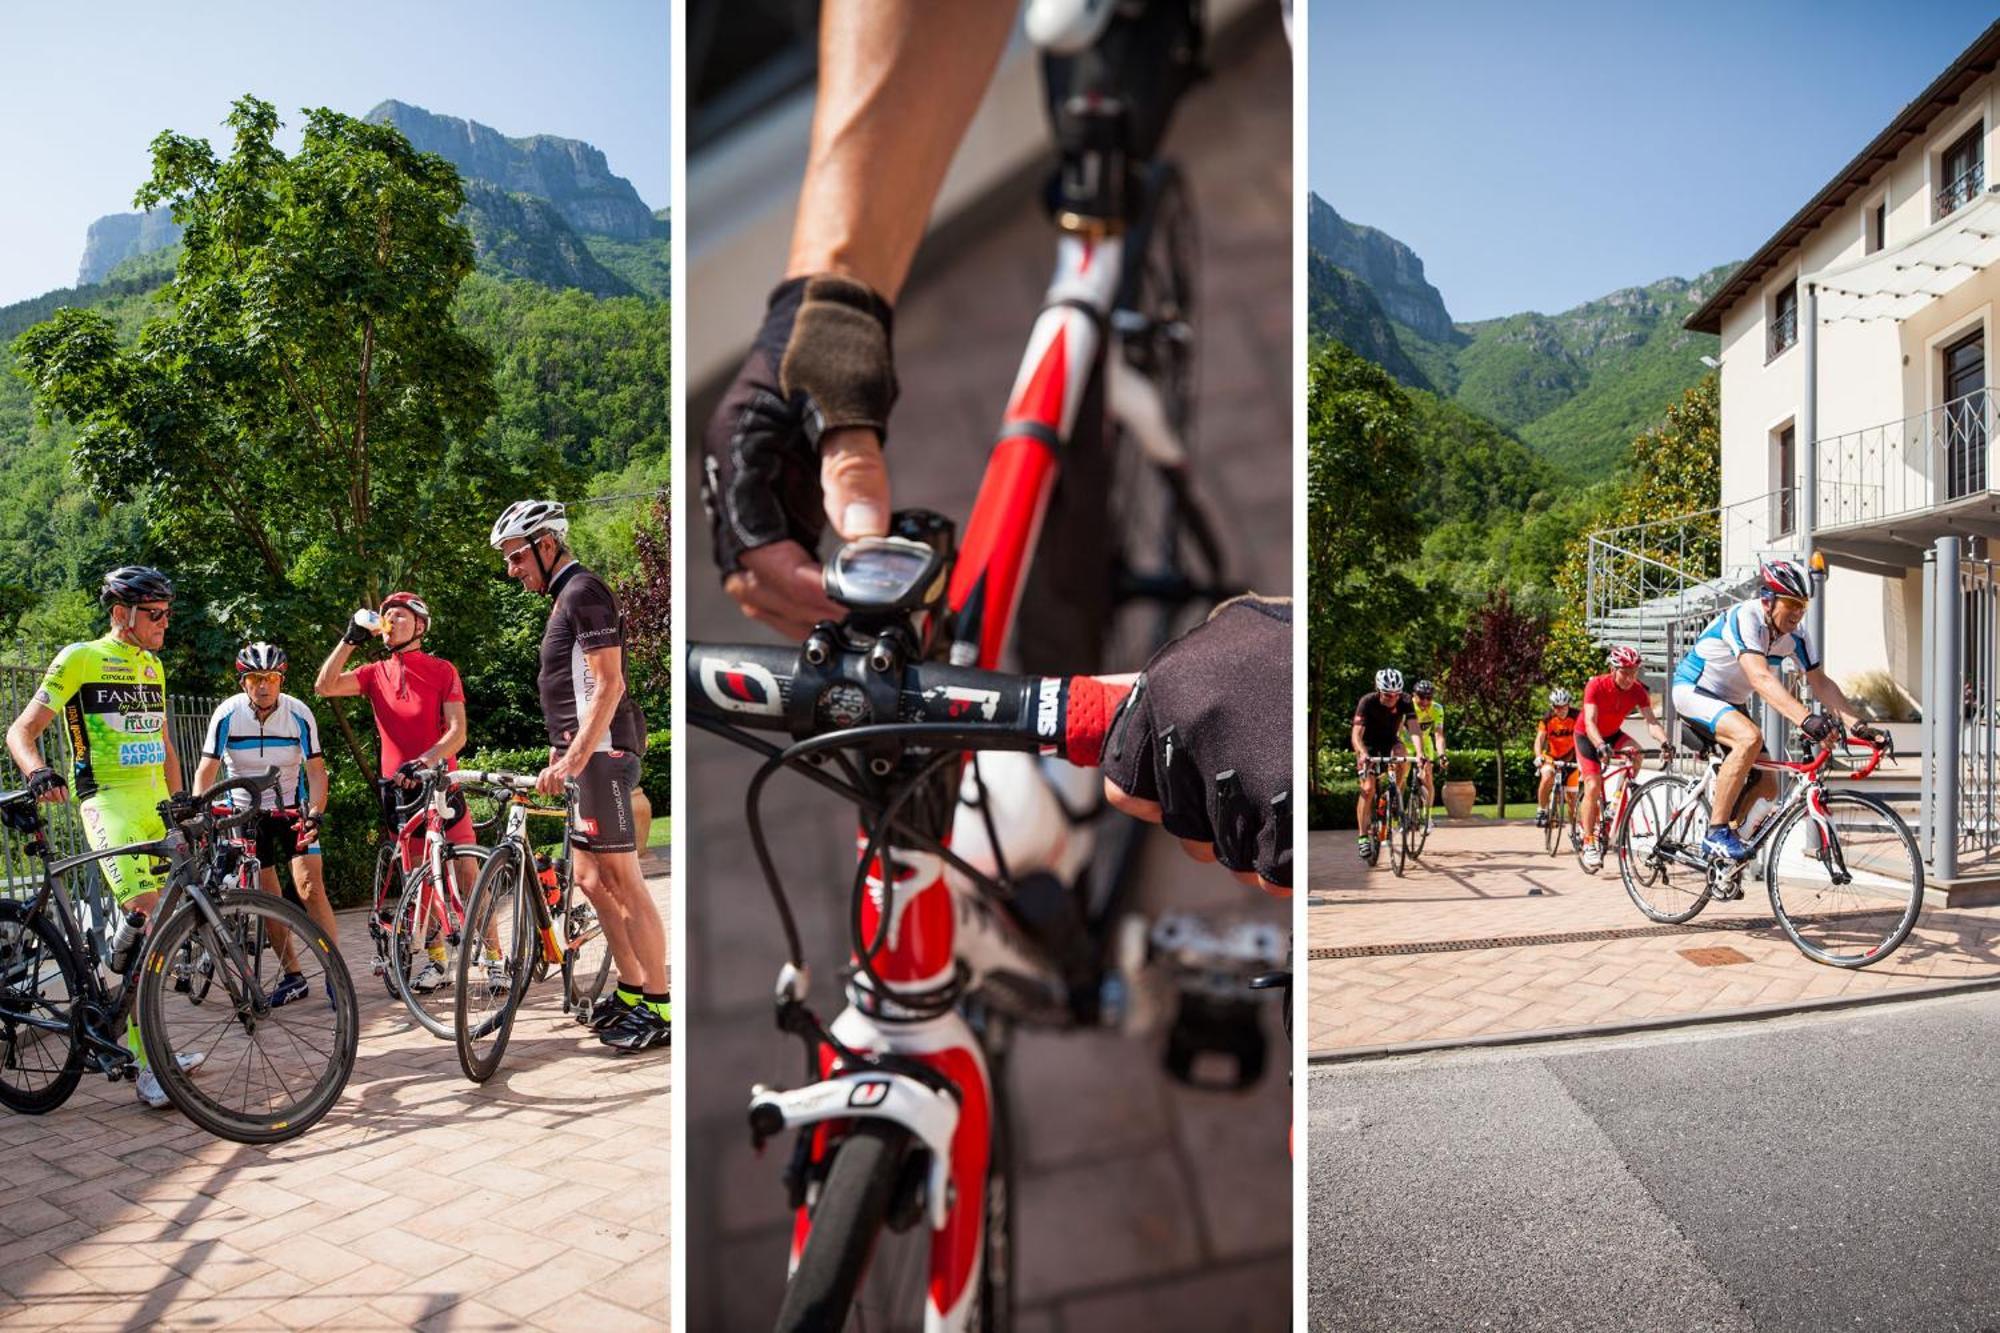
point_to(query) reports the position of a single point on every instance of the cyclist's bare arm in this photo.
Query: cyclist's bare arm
(1771, 689)
(1590, 726)
(334, 680)
(899, 81)
(316, 783)
(596, 720)
(1356, 741)
(1827, 690)
(453, 739)
(173, 773)
(24, 736)
(206, 772)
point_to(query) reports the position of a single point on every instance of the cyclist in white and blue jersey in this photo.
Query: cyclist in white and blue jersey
(1739, 655)
(249, 735)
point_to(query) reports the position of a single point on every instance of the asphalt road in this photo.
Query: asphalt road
(1820, 1172)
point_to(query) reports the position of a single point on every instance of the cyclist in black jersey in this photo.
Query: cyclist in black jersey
(596, 736)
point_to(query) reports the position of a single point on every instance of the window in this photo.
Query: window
(1878, 228)
(1784, 320)
(1962, 167)
(1785, 446)
(1963, 426)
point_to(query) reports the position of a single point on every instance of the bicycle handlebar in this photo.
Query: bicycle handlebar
(762, 687)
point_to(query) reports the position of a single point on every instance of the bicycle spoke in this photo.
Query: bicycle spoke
(1847, 890)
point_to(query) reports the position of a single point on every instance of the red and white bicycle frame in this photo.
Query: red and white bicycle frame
(940, 932)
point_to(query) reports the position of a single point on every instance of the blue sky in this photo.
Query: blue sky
(1539, 155)
(87, 86)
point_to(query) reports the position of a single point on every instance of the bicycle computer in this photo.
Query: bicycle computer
(885, 574)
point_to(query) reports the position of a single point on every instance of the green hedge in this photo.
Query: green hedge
(1332, 804)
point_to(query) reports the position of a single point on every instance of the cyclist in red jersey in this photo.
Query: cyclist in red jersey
(1555, 742)
(419, 706)
(1607, 701)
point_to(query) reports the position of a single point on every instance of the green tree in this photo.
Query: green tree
(1361, 473)
(1673, 471)
(300, 421)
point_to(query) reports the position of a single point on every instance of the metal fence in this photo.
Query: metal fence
(20, 873)
(1961, 795)
(1904, 466)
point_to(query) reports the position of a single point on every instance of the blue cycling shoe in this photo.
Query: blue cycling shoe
(292, 986)
(1723, 843)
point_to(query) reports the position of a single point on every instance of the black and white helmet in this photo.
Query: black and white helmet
(1559, 698)
(260, 657)
(530, 519)
(129, 585)
(1786, 578)
(1389, 681)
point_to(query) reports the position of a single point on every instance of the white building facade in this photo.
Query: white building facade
(1898, 257)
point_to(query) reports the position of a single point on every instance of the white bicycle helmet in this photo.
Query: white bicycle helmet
(1786, 578)
(529, 519)
(1559, 697)
(260, 657)
(1389, 680)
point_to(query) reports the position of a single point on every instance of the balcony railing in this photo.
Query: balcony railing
(1784, 332)
(1907, 466)
(1963, 189)
(1646, 574)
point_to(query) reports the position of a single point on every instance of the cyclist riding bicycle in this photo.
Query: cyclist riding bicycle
(260, 730)
(112, 693)
(419, 705)
(1555, 743)
(1738, 657)
(1430, 738)
(1607, 701)
(1380, 720)
(596, 736)
(796, 443)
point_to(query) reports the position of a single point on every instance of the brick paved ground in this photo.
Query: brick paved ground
(422, 1201)
(1141, 1204)
(1477, 881)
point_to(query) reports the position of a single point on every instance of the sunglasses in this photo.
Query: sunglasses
(264, 677)
(152, 615)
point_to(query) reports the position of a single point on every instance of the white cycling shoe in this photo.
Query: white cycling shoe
(429, 978)
(150, 1091)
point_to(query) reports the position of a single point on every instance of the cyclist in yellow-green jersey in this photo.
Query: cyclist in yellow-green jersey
(112, 697)
(1430, 736)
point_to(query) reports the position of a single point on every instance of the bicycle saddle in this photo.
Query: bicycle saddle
(1703, 741)
(18, 812)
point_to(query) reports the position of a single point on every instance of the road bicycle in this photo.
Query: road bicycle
(532, 917)
(427, 923)
(1418, 803)
(1560, 823)
(387, 882)
(1843, 870)
(234, 1065)
(1387, 826)
(1620, 776)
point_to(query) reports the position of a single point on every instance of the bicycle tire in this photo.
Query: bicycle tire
(853, 1206)
(1872, 916)
(586, 951)
(1417, 822)
(434, 1012)
(33, 955)
(498, 906)
(1392, 829)
(248, 1046)
(1552, 825)
(383, 891)
(996, 1274)
(1664, 889)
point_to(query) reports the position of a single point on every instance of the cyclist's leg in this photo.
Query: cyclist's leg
(309, 880)
(1738, 776)
(111, 819)
(1548, 782)
(607, 867)
(271, 837)
(1590, 769)
(1365, 802)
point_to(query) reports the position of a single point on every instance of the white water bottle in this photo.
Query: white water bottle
(1756, 814)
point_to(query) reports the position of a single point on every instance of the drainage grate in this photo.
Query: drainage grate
(1720, 955)
(1524, 941)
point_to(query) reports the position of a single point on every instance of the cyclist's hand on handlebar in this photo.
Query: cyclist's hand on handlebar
(1873, 735)
(48, 786)
(796, 446)
(1203, 743)
(1822, 727)
(549, 782)
(410, 774)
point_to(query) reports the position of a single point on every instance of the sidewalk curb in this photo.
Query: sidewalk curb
(1538, 1036)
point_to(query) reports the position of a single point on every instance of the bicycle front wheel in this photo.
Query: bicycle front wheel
(1392, 829)
(494, 966)
(235, 1065)
(1662, 824)
(40, 1058)
(1417, 822)
(424, 940)
(1847, 881)
(853, 1207)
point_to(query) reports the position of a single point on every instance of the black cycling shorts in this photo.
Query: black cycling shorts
(604, 802)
